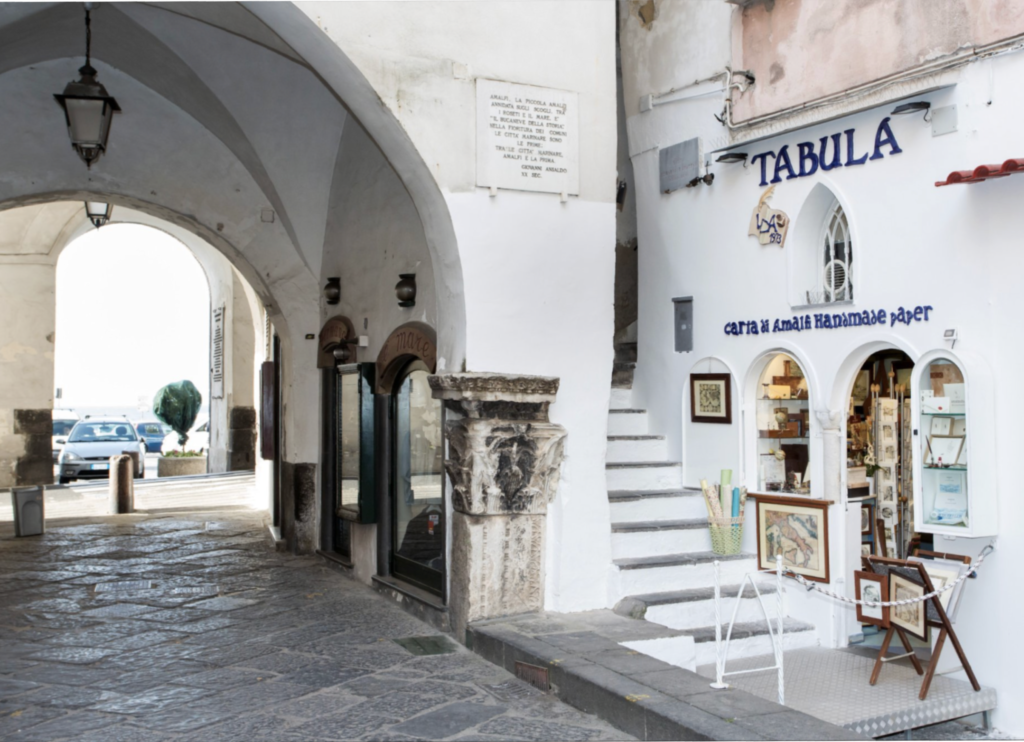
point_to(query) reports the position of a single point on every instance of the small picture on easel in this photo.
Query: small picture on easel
(910, 617)
(872, 588)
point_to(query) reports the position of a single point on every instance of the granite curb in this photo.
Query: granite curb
(641, 695)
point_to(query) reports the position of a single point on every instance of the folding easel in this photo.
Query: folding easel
(935, 616)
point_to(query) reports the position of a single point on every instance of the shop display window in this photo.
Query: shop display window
(355, 489)
(783, 428)
(944, 446)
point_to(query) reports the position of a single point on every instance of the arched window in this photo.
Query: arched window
(837, 255)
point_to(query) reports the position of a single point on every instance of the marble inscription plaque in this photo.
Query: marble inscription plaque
(527, 138)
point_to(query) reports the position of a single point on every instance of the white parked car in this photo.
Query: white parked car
(92, 442)
(198, 439)
(63, 422)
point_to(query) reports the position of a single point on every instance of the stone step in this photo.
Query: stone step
(695, 607)
(622, 375)
(652, 574)
(624, 448)
(628, 506)
(752, 640)
(627, 421)
(621, 399)
(644, 475)
(625, 353)
(654, 538)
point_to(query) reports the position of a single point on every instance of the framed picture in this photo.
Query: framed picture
(773, 470)
(710, 398)
(945, 569)
(943, 450)
(873, 588)
(941, 426)
(910, 617)
(867, 517)
(904, 370)
(796, 528)
(861, 386)
(865, 550)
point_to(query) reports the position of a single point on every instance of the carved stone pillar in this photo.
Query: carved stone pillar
(504, 460)
(833, 452)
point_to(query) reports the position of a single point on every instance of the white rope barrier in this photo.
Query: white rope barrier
(887, 603)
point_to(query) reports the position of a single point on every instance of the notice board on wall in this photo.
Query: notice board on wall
(527, 138)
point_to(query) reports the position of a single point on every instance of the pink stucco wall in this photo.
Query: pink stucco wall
(805, 49)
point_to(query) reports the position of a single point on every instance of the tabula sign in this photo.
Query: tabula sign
(767, 224)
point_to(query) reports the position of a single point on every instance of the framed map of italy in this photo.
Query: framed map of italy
(796, 528)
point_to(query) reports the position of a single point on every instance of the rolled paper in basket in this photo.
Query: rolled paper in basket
(713, 504)
(725, 492)
(735, 502)
(707, 497)
(743, 499)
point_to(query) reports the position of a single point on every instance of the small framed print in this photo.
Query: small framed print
(910, 617)
(710, 399)
(867, 517)
(943, 450)
(873, 589)
(941, 426)
(865, 550)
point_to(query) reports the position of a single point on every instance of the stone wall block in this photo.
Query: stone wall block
(242, 418)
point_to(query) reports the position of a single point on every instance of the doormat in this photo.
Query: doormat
(427, 644)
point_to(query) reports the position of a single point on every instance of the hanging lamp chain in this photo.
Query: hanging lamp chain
(88, 36)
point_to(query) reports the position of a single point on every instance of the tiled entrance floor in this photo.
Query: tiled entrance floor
(833, 685)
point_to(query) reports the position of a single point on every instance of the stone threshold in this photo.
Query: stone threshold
(587, 667)
(416, 601)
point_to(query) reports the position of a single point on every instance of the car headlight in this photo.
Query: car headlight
(69, 456)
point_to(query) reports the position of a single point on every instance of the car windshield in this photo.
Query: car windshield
(102, 433)
(151, 429)
(63, 427)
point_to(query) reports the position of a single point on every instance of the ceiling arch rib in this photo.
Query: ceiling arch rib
(57, 32)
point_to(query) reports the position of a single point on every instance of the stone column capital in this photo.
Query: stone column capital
(831, 421)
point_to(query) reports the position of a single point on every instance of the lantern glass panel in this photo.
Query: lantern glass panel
(86, 120)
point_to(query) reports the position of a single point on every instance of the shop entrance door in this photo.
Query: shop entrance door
(418, 520)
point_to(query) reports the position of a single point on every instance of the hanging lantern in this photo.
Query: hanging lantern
(88, 109)
(98, 212)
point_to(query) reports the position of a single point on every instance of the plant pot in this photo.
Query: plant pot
(173, 466)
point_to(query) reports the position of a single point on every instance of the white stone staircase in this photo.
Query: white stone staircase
(662, 565)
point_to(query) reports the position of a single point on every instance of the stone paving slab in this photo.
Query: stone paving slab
(174, 628)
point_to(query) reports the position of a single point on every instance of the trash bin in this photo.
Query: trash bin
(29, 515)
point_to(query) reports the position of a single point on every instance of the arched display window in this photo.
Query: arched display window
(944, 463)
(783, 422)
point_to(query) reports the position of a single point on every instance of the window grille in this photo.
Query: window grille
(836, 278)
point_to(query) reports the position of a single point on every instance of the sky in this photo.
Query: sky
(133, 314)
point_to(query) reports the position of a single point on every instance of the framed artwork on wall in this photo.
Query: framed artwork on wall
(796, 528)
(873, 588)
(710, 399)
(867, 518)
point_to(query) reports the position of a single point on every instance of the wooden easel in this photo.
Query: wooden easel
(935, 616)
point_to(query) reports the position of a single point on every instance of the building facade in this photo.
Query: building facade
(844, 291)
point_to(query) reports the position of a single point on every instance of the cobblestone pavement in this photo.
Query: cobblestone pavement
(152, 628)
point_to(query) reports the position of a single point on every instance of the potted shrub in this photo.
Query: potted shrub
(177, 405)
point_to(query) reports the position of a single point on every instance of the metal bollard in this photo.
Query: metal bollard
(29, 511)
(122, 483)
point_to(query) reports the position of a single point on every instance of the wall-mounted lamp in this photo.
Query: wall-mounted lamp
(918, 106)
(706, 179)
(332, 291)
(733, 157)
(88, 109)
(405, 290)
(98, 212)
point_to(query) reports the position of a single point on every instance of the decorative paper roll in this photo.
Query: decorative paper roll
(735, 502)
(725, 491)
